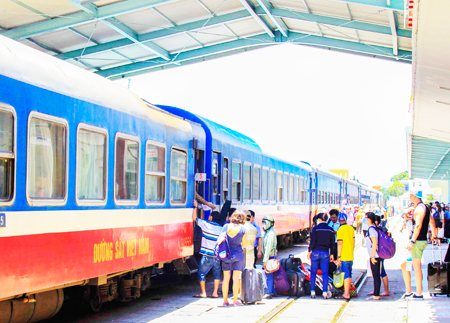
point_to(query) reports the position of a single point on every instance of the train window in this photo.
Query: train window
(280, 186)
(155, 173)
(265, 184)
(273, 185)
(296, 189)
(7, 154)
(291, 188)
(215, 177)
(236, 181)
(47, 160)
(247, 182)
(302, 189)
(126, 173)
(225, 179)
(256, 183)
(91, 165)
(286, 187)
(178, 176)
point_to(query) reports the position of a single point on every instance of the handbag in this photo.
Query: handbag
(272, 266)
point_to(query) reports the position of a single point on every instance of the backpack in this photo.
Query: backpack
(222, 249)
(386, 245)
(437, 219)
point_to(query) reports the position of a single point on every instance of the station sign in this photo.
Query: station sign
(200, 177)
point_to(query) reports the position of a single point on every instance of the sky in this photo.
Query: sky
(332, 109)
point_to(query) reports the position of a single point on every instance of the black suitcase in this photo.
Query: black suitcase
(438, 276)
(252, 286)
(297, 283)
(291, 263)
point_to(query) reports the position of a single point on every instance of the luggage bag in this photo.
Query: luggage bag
(438, 276)
(252, 286)
(291, 263)
(280, 281)
(297, 283)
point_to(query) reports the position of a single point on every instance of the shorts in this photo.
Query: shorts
(347, 268)
(206, 263)
(236, 262)
(417, 250)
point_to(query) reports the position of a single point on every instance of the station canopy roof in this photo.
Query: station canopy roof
(124, 38)
(429, 141)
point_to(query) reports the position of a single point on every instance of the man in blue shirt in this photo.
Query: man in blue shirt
(210, 232)
(258, 241)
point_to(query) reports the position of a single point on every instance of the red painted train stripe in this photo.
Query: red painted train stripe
(35, 262)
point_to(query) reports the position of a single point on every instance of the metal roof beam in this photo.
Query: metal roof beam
(88, 7)
(167, 32)
(129, 33)
(339, 22)
(393, 24)
(278, 22)
(398, 5)
(258, 19)
(306, 6)
(80, 18)
(255, 41)
(235, 16)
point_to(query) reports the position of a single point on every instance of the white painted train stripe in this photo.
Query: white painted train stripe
(39, 222)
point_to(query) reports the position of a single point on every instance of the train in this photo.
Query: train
(97, 186)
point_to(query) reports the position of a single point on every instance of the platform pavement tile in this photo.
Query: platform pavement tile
(323, 310)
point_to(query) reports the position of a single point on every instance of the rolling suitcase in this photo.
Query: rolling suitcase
(291, 263)
(438, 276)
(297, 284)
(252, 289)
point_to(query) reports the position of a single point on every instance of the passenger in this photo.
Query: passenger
(364, 225)
(334, 224)
(350, 215)
(251, 239)
(383, 274)
(210, 232)
(320, 252)
(258, 241)
(236, 235)
(346, 246)
(417, 244)
(269, 251)
(447, 221)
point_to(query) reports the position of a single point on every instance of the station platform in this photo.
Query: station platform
(176, 303)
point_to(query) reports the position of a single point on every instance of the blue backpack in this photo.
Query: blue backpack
(222, 249)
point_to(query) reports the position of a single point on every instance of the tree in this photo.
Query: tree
(400, 177)
(396, 189)
(430, 198)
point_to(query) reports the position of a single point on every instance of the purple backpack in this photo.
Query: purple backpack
(386, 245)
(222, 249)
(280, 281)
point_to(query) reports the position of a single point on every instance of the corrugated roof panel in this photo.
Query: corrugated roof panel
(135, 52)
(245, 27)
(53, 7)
(99, 31)
(369, 14)
(213, 34)
(177, 43)
(105, 2)
(404, 43)
(13, 15)
(223, 7)
(144, 21)
(62, 40)
(338, 32)
(302, 26)
(289, 4)
(375, 38)
(184, 11)
(329, 8)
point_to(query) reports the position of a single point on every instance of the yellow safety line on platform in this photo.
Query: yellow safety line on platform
(273, 314)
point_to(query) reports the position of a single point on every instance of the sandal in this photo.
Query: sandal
(385, 294)
(238, 304)
(372, 299)
(370, 294)
(225, 304)
(212, 296)
(342, 297)
(200, 296)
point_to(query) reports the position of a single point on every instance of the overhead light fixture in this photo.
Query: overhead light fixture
(444, 88)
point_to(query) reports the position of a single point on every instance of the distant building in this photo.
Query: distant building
(439, 190)
(341, 172)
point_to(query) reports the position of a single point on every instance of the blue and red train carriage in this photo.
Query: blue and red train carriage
(97, 185)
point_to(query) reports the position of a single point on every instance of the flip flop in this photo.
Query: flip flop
(199, 296)
(385, 294)
(342, 297)
(212, 296)
(372, 299)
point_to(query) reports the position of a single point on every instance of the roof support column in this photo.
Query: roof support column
(393, 24)
(258, 19)
(278, 22)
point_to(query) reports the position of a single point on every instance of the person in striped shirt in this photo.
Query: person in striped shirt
(210, 232)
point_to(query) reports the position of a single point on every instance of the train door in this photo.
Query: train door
(225, 179)
(200, 168)
(215, 178)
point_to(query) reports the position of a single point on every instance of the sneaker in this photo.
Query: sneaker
(407, 296)
(416, 297)
(313, 295)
